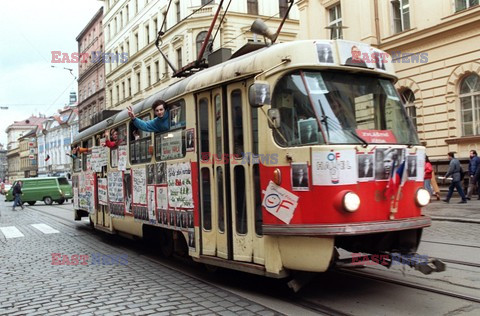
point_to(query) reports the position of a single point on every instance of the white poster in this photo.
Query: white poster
(139, 186)
(179, 179)
(76, 205)
(172, 145)
(102, 191)
(95, 160)
(280, 202)
(334, 167)
(151, 203)
(162, 198)
(420, 165)
(122, 157)
(115, 187)
(114, 158)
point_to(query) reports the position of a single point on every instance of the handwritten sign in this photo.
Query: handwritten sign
(114, 157)
(102, 191)
(139, 186)
(179, 179)
(151, 203)
(334, 167)
(172, 145)
(86, 191)
(377, 136)
(280, 202)
(115, 186)
(122, 157)
(162, 198)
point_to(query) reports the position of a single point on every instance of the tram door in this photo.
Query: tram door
(211, 141)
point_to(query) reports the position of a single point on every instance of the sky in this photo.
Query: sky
(29, 31)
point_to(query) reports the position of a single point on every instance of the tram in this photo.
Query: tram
(273, 161)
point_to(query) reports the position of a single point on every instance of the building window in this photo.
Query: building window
(149, 81)
(157, 71)
(123, 89)
(204, 2)
(179, 58)
(252, 7)
(165, 66)
(147, 34)
(127, 15)
(118, 94)
(138, 82)
(464, 4)
(401, 15)
(199, 42)
(136, 42)
(283, 8)
(408, 98)
(470, 105)
(129, 83)
(121, 20)
(127, 47)
(177, 10)
(155, 24)
(335, 24)
(164, 25)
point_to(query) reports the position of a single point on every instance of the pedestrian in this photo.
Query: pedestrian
(454, 170)
(427, 182)
(473, 165)
(17, 193)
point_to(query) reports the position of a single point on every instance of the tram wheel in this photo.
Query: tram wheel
(166, 244)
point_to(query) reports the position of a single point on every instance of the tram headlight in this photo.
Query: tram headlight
(422, 198)
(351, 201)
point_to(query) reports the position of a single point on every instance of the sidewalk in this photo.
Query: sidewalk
(441, 211)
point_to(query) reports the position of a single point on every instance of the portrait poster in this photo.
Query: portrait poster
(150, 174)
(190, 139)
(365, 167)
(386, 159)
(102, 191)
(412, 167)
(115, 186)
(334, 167)
(151, 203)
(161, 173)
(139, 182)
(420, 165)
(325, 52)
(300, 177)
(175, 117)
(355, 54)
(179, 180)
(172, 145)
(162, 197)
(122, 157)
(308, 131)
(127, 186)
(280, 202)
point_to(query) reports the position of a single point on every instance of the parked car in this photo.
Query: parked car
(51, 189)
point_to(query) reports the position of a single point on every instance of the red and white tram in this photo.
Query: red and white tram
(273, 160)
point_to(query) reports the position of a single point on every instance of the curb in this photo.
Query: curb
(455, 219)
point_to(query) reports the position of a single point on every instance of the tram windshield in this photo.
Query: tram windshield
(318, 107)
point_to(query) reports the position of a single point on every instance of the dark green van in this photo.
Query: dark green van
(51, 189)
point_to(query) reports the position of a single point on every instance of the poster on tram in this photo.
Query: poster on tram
(151, 203)
(337, 167)
(122, 157)
(139, 186)
(102, 191)
(179, 180)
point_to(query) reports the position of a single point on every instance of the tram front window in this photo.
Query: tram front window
(339, 108)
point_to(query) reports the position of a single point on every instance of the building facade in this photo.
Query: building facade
(434, 45)
(91, 72)
(137, 69)
(28, 154)
(3, 163)
(54, 139)
(14, 132)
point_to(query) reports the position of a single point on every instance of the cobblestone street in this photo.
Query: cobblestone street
(31, 285)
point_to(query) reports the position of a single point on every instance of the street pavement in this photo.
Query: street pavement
(33, 283)
(454, 211)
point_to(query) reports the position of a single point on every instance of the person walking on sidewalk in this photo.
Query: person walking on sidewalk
(427, 182)
(473, 165)
(454, 170)
(17, 193)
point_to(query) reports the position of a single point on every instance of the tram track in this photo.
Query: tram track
(409, 285)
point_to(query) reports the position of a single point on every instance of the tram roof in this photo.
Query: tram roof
(249, 64)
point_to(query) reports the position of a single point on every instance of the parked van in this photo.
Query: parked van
(56, 189)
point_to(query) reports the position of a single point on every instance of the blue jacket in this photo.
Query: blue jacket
(155, 125)
(454, 170)
(473, 165)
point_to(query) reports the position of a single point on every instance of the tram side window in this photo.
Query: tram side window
(204, 143)
(140, 143)
(171, 144)
(240, 200)
(86, 156)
